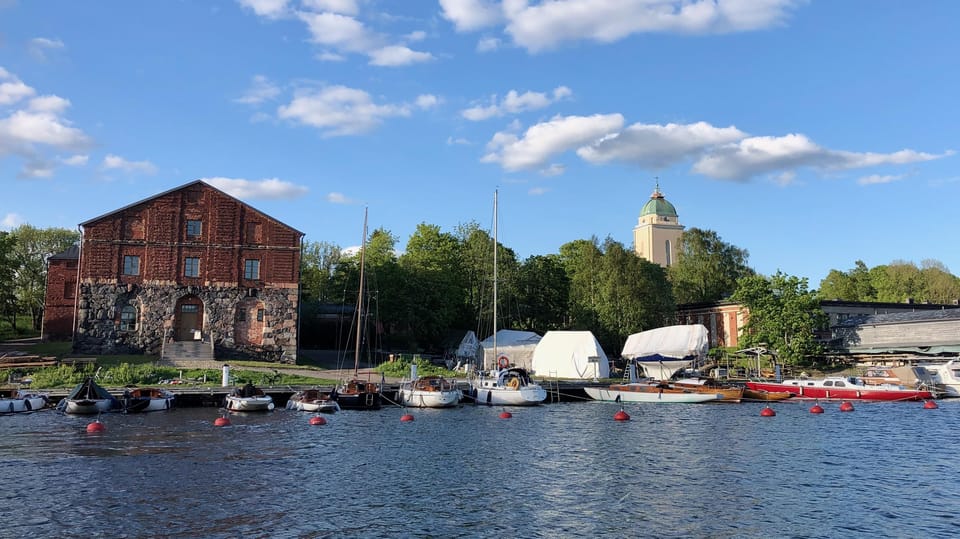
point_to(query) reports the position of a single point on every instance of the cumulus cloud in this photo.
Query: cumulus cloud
(658, 146)
(546, 25)
(261, 89)
(544, 140)
(339, 110)
(266, 189)
(397, 55)
(515, 102)
(11, 221)
(12, 89)
(115, 162)
(40, 46)
(427, 101)
(339, 198)
(271, 9)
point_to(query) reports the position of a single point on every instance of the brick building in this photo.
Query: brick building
(60, 299)
(192, 263)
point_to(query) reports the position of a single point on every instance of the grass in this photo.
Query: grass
(24, 329)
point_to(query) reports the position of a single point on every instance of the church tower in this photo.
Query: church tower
(658, 230)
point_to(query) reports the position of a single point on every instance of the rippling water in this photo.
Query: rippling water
(559, 470)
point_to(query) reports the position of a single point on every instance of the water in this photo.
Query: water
(559, 470)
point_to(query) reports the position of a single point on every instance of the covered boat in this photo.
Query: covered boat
(842, 388)
(573, 355)
(248, 399)
(146, 399)
(22, 401)
(88, 398)
(313, 400)
(661, 352)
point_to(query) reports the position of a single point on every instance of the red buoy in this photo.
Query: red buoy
(930, 405)
(317, 420)
(406, 417)
(767, 412)
(505, 415)
(222, 421)
(816, 409)
(846, 406)
(621, 416)
(96, 426)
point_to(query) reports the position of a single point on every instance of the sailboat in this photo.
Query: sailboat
(503, 384)
(429, 391)
(357, 394)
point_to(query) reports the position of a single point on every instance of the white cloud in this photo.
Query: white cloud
(537, 191)
(327, 56)
(344, 7)
(544, 140)
(555, 169)
(459, 141)
(12, 89)
(338, 31)
(339, 110)
(272, 9)
(658, 146)
(266, 189)
(75, 160)
(40, 46)
(418, 35)
(37, 168)
(261, 89)
(11, 221)
(469, 15)
(488, 44)
(877, 178)
(115, 162)
(339, 198)
(549, 24)
(397, 55)
(515, 102)
(427, 101)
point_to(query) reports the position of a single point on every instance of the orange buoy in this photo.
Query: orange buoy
(930, 405)
(846, 406)
(317, 420)
(96, 426)
(505, 415)
(222, 421)
(767, 412)
(621, 416)
(406, 417)
(816, 409)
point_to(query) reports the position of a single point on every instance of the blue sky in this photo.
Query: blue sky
(810, 133)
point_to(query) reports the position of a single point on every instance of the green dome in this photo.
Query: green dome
(657, 205)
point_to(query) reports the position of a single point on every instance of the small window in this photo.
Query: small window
(259, 315)
(191, 267)
(131, 265)
(69, 289)
(241, 315)
(128, 318)
(189, 308)
(194, 228)
(251, 269)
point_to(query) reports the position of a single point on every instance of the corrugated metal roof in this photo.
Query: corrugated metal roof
(902, 318)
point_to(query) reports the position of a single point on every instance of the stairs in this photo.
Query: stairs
(189, 354)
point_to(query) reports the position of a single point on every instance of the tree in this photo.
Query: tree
(897, 282)
(940, 286)
(8, 271)
(855, 285)
(317, 264)
(32, 247)
(543, 293)
(707, 268)
(783, 315)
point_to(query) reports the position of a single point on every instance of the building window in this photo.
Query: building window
(241, 315)
(189, 308)
(669, 257)
(191, 267)
(251, 269)
(131, 265)
(69, 289)
(259, 315)
(253, 233)
(194, 229)
(128, 318)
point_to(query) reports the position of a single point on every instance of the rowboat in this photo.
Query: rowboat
(313, 400)
(22, 401)
(146, 400)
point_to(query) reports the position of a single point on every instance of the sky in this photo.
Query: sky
(810, 133)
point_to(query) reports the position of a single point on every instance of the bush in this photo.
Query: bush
(400, 368)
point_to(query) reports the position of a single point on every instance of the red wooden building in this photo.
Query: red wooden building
(192, 263)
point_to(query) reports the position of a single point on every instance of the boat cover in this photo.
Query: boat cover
(566, 354)
(668, 343)
(517, 346)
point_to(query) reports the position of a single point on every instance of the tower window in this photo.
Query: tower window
(668, 258)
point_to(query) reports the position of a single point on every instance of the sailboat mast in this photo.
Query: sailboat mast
(496, 357)
(363, 250)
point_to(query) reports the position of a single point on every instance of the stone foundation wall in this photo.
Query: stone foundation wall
(98, 319)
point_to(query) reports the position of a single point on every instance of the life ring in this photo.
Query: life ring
(514, 383)
(503, 362)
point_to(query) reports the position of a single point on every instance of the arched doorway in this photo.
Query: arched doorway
(188, 319)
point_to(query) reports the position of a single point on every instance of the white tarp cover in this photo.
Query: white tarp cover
(566, 354)
(468, 347)
(517, 346)
(668, 343)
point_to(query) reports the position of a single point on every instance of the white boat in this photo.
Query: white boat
(87, 398)
(504, 385)
(946, 377)
(429, 392)
(649, 390)
(146, 400)
(248, 399)
(661, 352)
(313, 400)
(22, 401)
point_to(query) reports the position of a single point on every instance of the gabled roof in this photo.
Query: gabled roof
(180, 188)
(71, 253)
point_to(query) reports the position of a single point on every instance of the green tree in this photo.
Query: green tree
(783, 315)
(317, 264)
(897, 282)
(581, 260)
(543, 294)
(8, 271)
(32, 247)
(940, 286)
(854, 285)
(707, 268)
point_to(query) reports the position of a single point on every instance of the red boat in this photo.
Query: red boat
(843, 388)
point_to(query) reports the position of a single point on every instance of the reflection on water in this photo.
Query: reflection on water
(560, 470)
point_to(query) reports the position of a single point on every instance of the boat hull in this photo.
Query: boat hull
(419, 398)
(87, 406)
(260, 403)
(862, 393)
(323, 406)
(26, 403)
(760, 395)
(648, 393)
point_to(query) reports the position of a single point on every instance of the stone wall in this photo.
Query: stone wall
(99, 325)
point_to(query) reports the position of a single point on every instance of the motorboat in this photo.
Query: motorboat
(143, 399)
(88, 398)
(945, 377)
(429, 392)
(248, 399)
(22, 401)
(313, 400)
(842, 388)
(510, 387)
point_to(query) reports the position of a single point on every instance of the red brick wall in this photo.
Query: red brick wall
(59, 301)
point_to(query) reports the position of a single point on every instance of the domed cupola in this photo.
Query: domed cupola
(658, 205)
